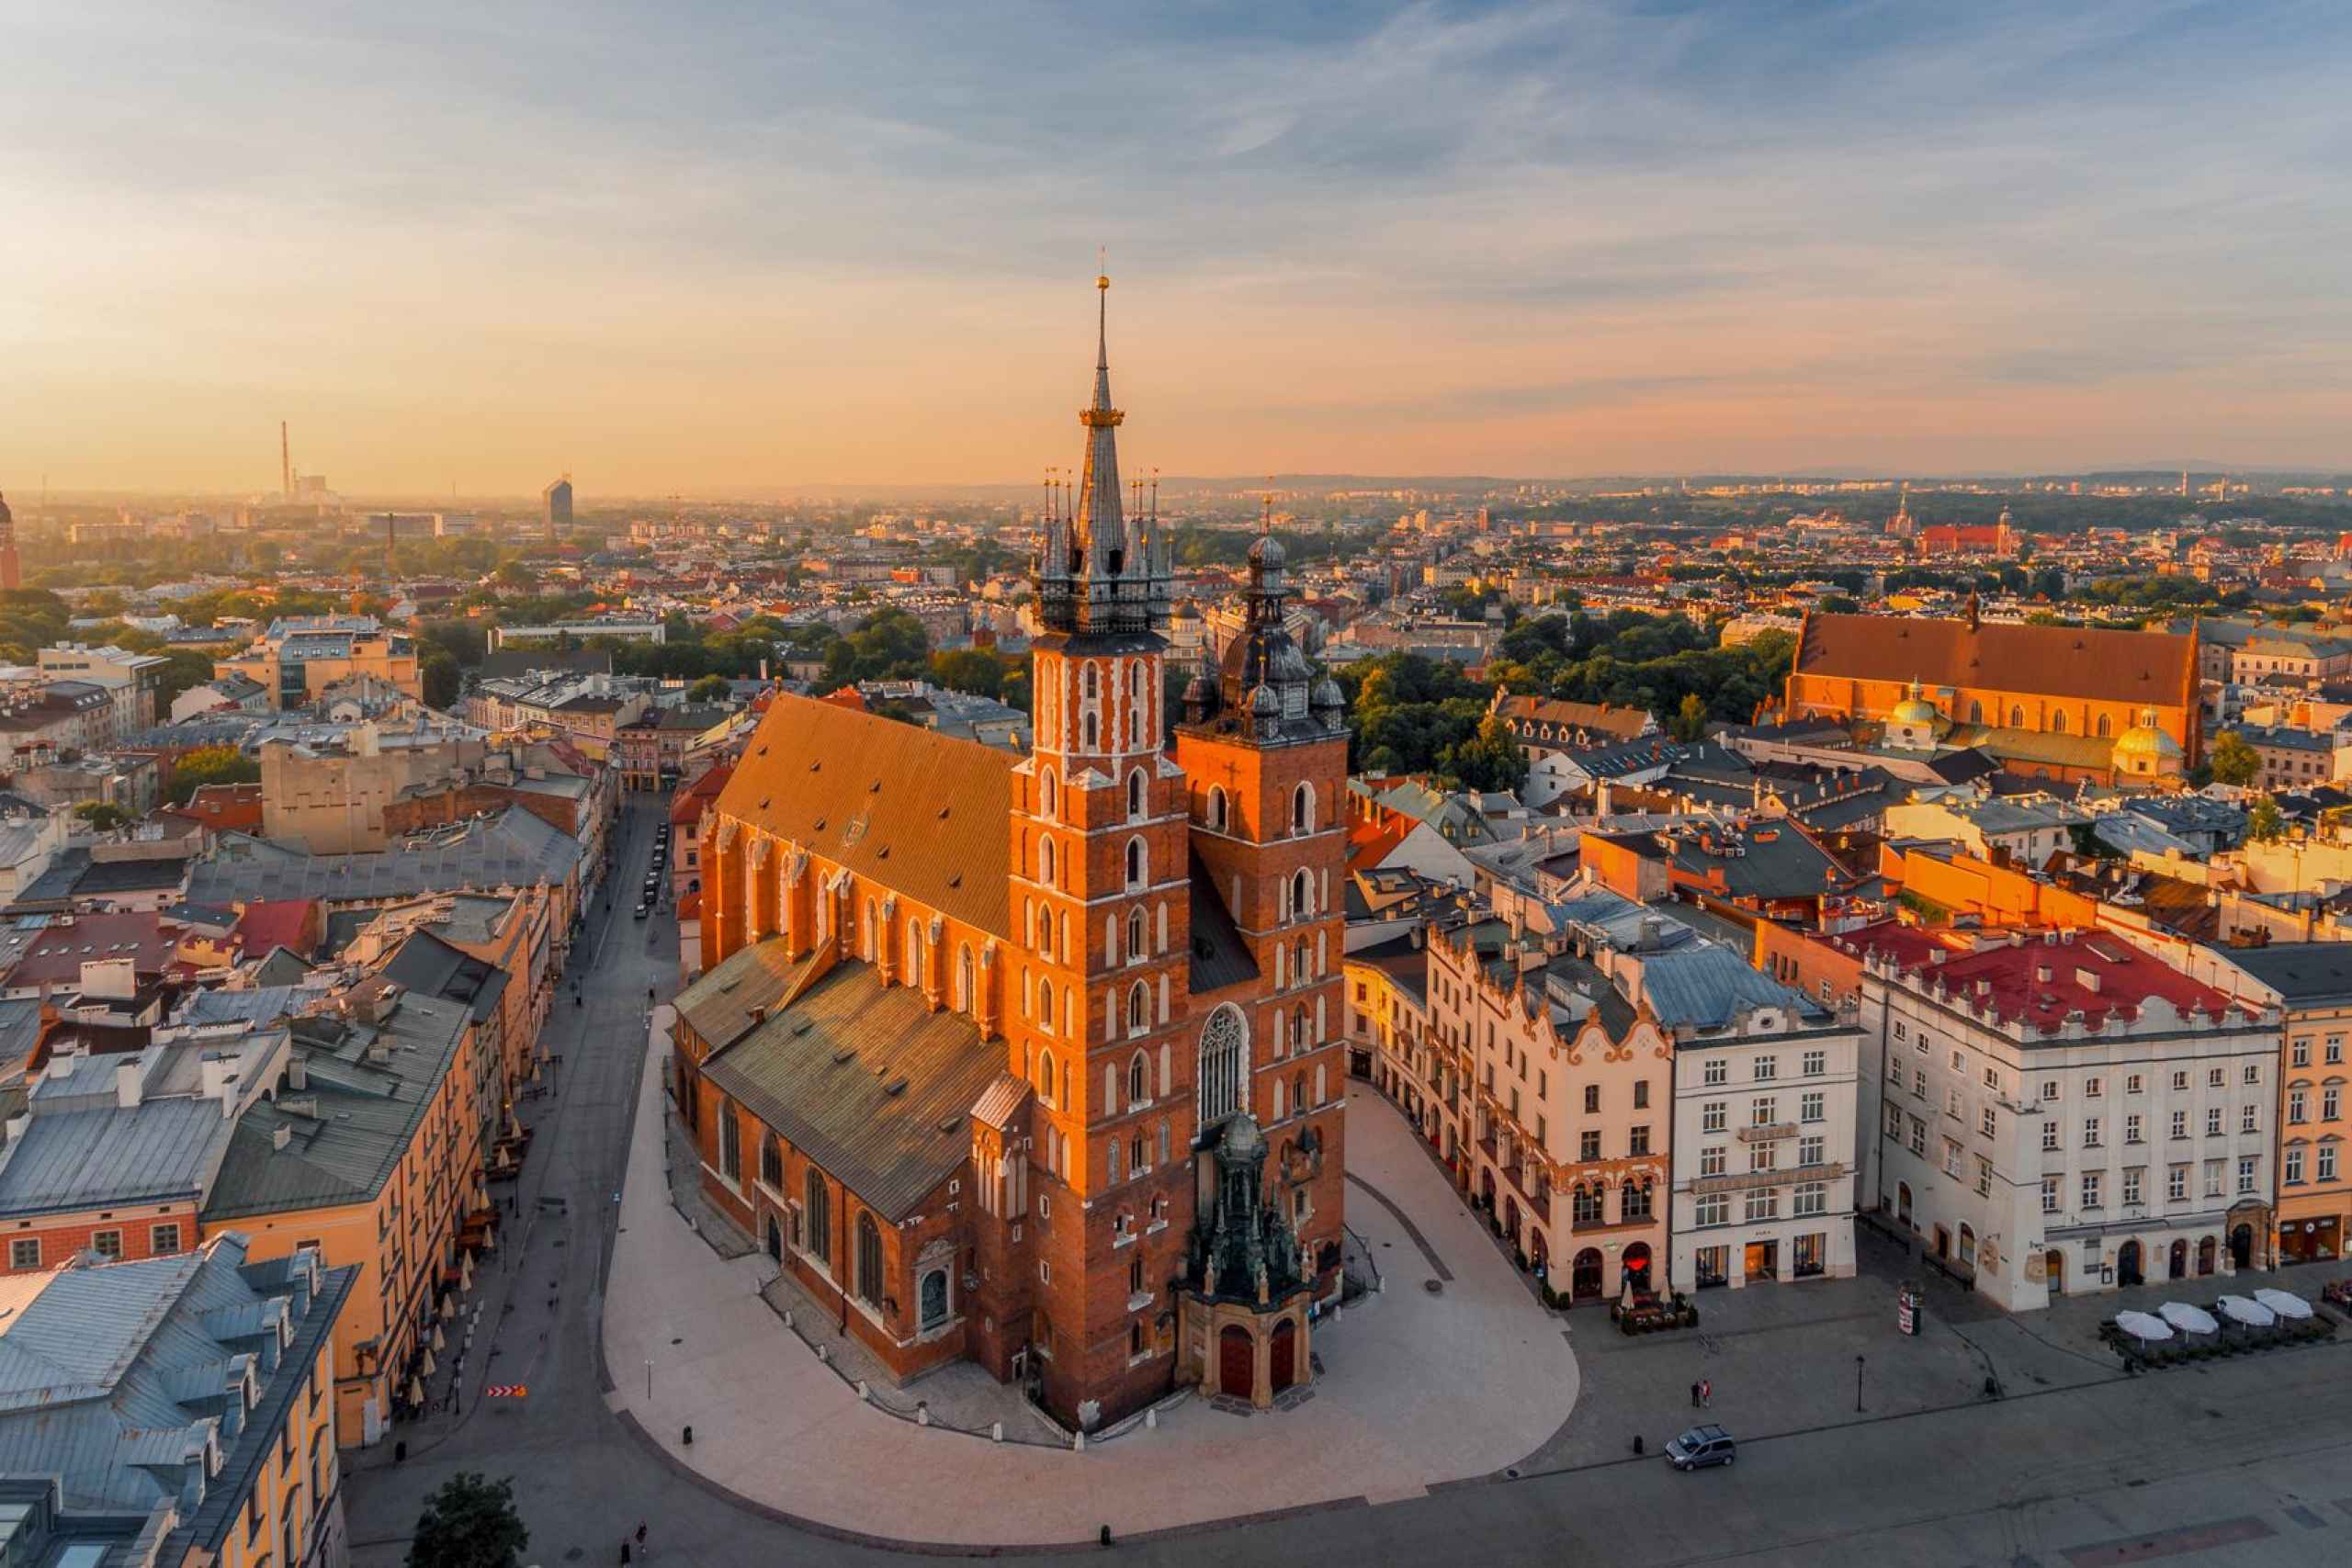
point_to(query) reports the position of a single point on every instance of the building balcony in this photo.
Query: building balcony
(1770, 1132)
(1740, 1181)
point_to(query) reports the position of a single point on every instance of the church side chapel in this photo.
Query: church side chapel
(1035, 1061)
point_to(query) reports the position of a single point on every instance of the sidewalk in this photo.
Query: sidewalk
(1420, 1388)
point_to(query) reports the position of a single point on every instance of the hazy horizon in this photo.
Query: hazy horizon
(714, 250)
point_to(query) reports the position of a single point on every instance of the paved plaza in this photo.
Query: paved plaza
(1419, 1388)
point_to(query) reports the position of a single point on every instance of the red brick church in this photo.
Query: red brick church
(1034, 1060)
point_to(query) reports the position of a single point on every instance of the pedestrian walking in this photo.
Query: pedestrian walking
(1694, 1396)
(624, 1549)
(640, 1535)
(1706, 1392)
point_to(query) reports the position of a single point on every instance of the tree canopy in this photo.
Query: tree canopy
(211, 765)
(469, 1522)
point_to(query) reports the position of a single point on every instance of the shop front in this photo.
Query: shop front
(2317, 1238)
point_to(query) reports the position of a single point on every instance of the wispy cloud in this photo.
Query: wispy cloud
(726, 243)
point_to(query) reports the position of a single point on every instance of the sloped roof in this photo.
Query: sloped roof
(865, 1080)
(718, 1005)
(424, 962)
(1601, 719)
(1705, 984)
(1220, 958)
(512, 849)
(2088, 662)
(920, 812)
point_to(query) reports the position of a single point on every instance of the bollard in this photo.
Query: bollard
(1151, 1418)
(861, 1390)
(1077, 1442)
(996, 1432)
(922, 1414)
(787, 1317)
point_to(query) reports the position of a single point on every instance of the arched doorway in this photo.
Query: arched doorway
(1511, 1220)
(2127, 1264)
(1967, 1246)
(1584, 1276)
(2241, 1248)
(1637, 1266)
(776, 1240)
(1236, 1373)
(2054, 1266)
(2177, 1267)
(1538, 1255)
(1283, 1356)
(1486, 1187)
(2205, 1252)
(1903, 1202)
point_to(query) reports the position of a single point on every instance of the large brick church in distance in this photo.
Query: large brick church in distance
(1034, 1060)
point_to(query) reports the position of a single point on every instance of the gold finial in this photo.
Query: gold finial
(1101, 266)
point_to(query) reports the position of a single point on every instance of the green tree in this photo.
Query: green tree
(2232, 761)
(969, 670)
(1690, 719)
(210, 765)
(469, 1522)
(101, 816)
(709, 689)
(441, 675)
(514, 574)
(2266, 823)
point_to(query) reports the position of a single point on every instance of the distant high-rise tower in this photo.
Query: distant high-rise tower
(558, 497)
(285, 461)
(11, 574)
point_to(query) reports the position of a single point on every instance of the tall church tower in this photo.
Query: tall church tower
(1099, 882)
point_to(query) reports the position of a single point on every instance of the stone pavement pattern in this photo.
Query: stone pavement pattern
(1419, 1388)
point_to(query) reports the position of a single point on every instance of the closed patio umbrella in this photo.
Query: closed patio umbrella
(2285, 1304)
(415, 1390)
(425, 1368)
(2246, 1310)
(2143, 1326)
(438, 1343)
(466, 1273)
(2188, 1319)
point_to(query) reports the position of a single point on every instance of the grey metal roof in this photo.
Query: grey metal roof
(1706, 985)
(512, 848)
(1219, 957)
(718, 1005)
(2305, 974)
(119, 1378)
(424, 962)
(867, 1081)
(366, 1112)
(161, 1151)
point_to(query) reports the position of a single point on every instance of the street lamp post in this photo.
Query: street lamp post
(1858, 1362)
(649, 1379)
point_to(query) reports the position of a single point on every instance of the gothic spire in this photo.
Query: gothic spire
(1100, 525)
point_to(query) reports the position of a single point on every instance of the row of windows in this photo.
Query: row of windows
(1764, 1110)
(1763, 1203)
(2291, 1169)
(2094, 1185)
(1766, 1067)
(24, 1252)
(1811, 1150)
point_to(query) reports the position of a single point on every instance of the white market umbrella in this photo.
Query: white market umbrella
(2285, 1304)
(2188, 1319)
(415, 1392)
(428, 1365)
(2143, 1326)
(2246, 1310)
(466, 1272)
(437, 1341)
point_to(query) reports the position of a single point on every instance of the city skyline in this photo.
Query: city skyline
(708, 254)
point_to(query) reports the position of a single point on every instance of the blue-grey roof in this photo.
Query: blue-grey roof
(123, 1379)
(1706, 985)
(512, 848)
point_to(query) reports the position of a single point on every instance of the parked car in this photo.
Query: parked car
(1700, 1447)
(641, 910)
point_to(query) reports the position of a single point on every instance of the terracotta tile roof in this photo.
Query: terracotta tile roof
(2071, 661)
(687, 805)
(2029, 983)
(1369, 843)
(1601, 719)
(923, 813)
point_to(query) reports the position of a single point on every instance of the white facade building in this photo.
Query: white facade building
(2058, 1113)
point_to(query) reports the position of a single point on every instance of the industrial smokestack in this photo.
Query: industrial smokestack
(285, 461)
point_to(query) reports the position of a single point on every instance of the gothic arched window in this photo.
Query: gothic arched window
(1302, 808)
(2058, 722)
(1977, 713)
(964, 982)
(2104, 728)
(2017, 717)
(1045, 1011)
(1093, 732)
(1225, 1044)
(1046, 1077)
(913, 972)
(1046, 861)
(1216, 807)
(870, 1260)
(1302, 895)
(1093, 688)
(1135, 878)
(1135, 793)
(820, 1217)
(1138, 1084)
(1134, 934)
(1049, 792)
(1139, 1008)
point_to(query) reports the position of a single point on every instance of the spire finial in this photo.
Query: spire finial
(1266, 509)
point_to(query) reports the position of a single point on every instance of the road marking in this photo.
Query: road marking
(2169, 1543)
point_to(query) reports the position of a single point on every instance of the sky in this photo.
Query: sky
(717, 248)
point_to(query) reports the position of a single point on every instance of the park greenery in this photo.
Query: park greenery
(469, 1521)
(204, 765)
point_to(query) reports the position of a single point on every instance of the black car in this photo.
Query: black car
(642, 909)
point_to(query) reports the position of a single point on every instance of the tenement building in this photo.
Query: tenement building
(1037, 1061)
(2058, 1112)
